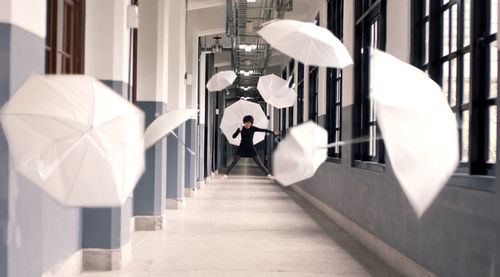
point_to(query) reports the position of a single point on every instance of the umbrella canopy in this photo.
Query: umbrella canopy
(166, 123)
(233, 119)
(276, 92)
(221, 80)
(76, 139)
(306, 42)
(299, 155)
(418, 126)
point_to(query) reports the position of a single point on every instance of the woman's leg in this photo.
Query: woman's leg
(260, 164)
(235, 161)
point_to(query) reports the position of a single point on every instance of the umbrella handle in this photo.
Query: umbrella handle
(187, 148)
(352, 141)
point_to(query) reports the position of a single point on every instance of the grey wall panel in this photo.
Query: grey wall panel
(150, 190)
(175, 164)
(4, 151)
(200, 158)
(119, 86)
(97, 228)
(191, 135)
(457, 236)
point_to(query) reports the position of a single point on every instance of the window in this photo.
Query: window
(334, 81)
(283, 111)
(300, 93)
(453, 41)
(370, 29)
(64, 44)
(313, 93)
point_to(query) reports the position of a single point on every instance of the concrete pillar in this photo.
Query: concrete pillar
(106, 231)
(152, 69)
(176, 100)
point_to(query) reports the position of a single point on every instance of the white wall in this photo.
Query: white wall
(177, 54)
(30, 15)
(107, 40)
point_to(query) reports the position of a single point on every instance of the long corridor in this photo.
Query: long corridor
(248, 226)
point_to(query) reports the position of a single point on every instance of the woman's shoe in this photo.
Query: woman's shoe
(223, 177)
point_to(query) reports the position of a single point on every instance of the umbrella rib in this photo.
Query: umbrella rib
(54, 142)
(102, 124)
(78, 174)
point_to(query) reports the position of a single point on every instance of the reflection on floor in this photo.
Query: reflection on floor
(248, 226)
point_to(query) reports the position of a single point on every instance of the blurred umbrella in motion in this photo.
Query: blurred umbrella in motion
(418, 127)
(165, 124)
(76, 139)
(221, 80)
(300, 154)
(233, 119)
(307, 43)
(276, 91)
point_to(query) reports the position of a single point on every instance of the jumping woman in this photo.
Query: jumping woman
(246, 148)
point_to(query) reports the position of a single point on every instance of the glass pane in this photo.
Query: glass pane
(371, 143)
(426, 7)
(466, 84)
(453, 83)
(494, 16)
(492, 149)
(445, 79)
(454, 28)
(337, 138)
(426, 46)
(374, 33)
(493, 70)
(465, 136)
(445, 2)
(337, 121)
(446, 32)
(466, 22)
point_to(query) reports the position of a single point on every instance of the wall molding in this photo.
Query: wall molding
(384, 251)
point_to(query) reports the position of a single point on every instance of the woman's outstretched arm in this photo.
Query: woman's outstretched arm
(236, 133)
(266, 130)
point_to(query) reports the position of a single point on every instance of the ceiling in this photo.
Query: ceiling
(244, 50)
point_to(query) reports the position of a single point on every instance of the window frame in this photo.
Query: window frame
(476, 166)
(300, 93)
(367, 12)
(64, 49)
(334, 83)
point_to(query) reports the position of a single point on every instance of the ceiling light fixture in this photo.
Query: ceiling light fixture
(217, 48)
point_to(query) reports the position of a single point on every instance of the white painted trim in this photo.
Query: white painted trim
(198, 6)
(394, 258)
(69, 267)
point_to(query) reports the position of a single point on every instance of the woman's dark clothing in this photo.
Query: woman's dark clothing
(246, 148)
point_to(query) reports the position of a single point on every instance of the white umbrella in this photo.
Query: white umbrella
(76, 139)
(306, 42)
(299, 155)
(276, 92)
(221, 80)
(418, 126)
(233, 119)
(165, 124)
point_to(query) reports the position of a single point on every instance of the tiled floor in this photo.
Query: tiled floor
(248, 226)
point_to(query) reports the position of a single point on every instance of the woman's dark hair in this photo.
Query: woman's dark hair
(248, 118)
